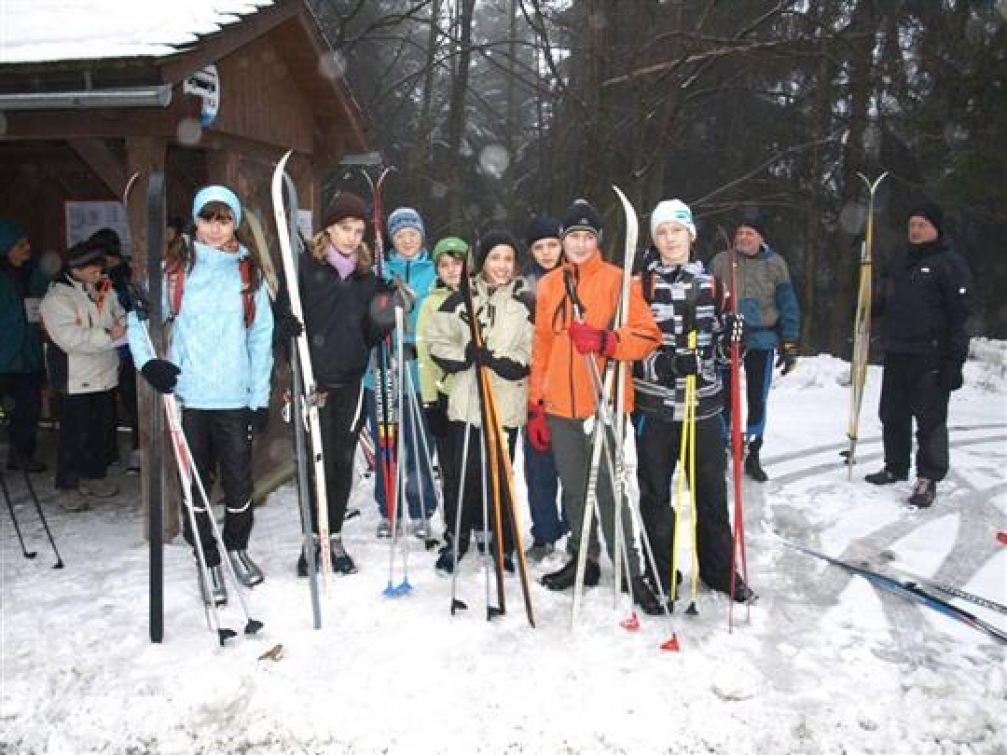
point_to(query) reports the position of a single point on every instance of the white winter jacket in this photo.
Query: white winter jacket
(80, 354)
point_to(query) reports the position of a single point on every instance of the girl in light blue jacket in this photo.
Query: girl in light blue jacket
(218, 362)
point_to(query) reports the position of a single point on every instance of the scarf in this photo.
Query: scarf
(344, 263)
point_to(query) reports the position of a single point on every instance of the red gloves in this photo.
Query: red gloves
(539, 434)
(588, 339)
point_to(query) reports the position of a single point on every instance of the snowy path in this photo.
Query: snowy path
(826, 664)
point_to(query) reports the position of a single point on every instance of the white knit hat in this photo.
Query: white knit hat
(672, 211)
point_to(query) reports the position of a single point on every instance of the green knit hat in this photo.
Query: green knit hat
(452, 245)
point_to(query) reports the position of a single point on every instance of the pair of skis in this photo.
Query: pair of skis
(912, 587)
(861, 326)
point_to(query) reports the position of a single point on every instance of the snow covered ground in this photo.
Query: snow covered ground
(822, 663)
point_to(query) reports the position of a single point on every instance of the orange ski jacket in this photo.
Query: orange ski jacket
(560, 378)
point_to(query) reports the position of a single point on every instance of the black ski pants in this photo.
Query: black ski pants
(126, 401)
(221, 437)
(658, 445)
(341, 418)
(572, 449)
(82, 451)
(25, 390)
(910, 391)
(471, 498)
(449, 460)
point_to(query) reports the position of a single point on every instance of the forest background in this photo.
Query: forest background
(494, 110)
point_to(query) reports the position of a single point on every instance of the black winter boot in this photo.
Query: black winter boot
(885, 477)
(565, 577)
(753, 468)
(645, 597)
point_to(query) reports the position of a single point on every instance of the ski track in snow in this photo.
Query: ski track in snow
(822, 663)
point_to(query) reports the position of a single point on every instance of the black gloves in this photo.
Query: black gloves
(161, 374)
(787, 358)
(670, 365)
(436, 415)
(286, 326)
(258, 419)
(949, 375)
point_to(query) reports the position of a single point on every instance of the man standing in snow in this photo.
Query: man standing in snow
(22, 286)
(768, 304)
(925, 298)
(561, 397)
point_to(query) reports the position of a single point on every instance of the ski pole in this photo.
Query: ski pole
(13, 517)
(459, 502)
(38, 508)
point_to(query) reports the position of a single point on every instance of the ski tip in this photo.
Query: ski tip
(58, 565)
(671, 644)
(253, 626)
(692, 610)
(492, 612)
(458, 605)
(30, 554)
(631, 624)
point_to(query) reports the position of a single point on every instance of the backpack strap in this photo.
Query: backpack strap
(174, 278)
(247, 291)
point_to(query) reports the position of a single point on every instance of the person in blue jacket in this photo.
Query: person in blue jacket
(218, 362)
(409, 262)
(768, 304)
(23, 283)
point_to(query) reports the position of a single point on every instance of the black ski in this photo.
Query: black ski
(907, 589)
(155, 441)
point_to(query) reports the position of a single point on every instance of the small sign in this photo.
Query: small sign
(205, 84)
(84, 218)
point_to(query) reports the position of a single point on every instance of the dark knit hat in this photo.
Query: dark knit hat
(85, 253)
(10, 234)
(107, 240)
(345, 205)
(494, 238)
(581, 216)
(543, 227)
(932, 212)
(756, 220)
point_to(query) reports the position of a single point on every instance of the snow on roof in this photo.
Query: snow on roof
(33, 31)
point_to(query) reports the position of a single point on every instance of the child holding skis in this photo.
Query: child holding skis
(338, 289)
(411, 264)
(682, 298)
(219, 362)
(449, 257)
(505, 321)
(562, 398)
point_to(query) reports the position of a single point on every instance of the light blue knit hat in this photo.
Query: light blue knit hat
(217, 193)
(405, 217)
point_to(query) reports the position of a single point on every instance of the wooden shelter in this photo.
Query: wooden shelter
(217, 107)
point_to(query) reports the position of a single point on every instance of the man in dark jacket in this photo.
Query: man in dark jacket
(925, 300)
(22, 286)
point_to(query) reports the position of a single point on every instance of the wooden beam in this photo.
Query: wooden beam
(102, 161)
(38, 125)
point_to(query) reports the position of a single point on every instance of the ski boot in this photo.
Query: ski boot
(247, 571)
(753, 468)
(539, 551)
(341, 561)
(885, 477)
(99, 488)
(565, 577)
(645, 597)
(302, 561)
(218, 588)
(924, 493)
(71, 500)
(384, 529)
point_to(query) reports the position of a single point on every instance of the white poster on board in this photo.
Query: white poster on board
(84, 218)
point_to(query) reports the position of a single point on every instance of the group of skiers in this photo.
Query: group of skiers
(545, 329)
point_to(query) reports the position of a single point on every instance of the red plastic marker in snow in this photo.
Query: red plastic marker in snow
(1002, 538)
(631, 624)
(671, 644)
